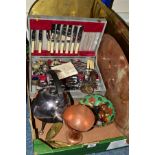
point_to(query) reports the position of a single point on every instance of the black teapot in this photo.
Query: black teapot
(50, 102)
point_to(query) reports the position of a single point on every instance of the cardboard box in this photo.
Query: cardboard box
(112, 65)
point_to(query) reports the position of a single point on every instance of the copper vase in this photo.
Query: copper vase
(79, 118)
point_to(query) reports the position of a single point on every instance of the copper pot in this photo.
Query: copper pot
(79, 117)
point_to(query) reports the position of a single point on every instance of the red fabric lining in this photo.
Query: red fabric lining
(47, 53)
(47, 25)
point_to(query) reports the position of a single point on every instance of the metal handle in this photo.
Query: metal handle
(56, 81)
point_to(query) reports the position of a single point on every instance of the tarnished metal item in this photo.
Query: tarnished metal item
(58, 144)
(78, 8)
(89, 84)
(87, 88)
(53, 131)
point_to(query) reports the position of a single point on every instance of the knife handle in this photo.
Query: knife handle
(56, 47)
(52, 47)
(71, 49)
(32, 47)
(77, 48)
(40, 47)
(67, 47)
(48, 45)
(61, 47)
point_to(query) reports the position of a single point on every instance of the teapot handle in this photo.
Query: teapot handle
(56, 81)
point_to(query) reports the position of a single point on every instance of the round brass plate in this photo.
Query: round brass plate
(78, 8)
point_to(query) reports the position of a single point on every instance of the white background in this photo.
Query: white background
(13, 77)
(122, 8)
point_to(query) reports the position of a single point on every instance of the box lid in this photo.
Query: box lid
(81, 36)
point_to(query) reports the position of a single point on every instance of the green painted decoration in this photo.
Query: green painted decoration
(105, 109)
